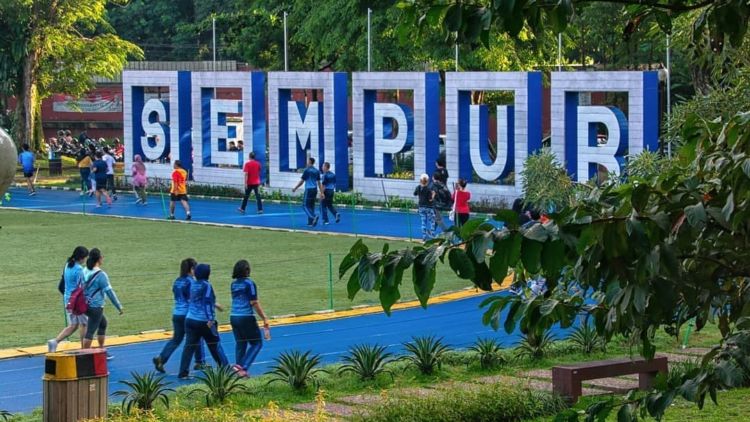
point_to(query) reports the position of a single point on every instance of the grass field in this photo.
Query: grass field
(142, 259)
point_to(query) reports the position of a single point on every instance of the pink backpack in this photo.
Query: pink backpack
(78, 304)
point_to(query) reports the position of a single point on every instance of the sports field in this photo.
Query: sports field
(142, 259)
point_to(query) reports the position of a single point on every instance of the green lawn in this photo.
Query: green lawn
(142, 259)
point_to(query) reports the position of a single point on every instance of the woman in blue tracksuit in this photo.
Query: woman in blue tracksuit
(242, 318)
(200, 321)
(181, 292)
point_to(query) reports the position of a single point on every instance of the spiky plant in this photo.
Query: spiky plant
(534, 345)
(5, 415)
(296, 369)
(367, 361)
(587, 339)
(220, 384)
(489, 351)
(144, 391)
(426, 353)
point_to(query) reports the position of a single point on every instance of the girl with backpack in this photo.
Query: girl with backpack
(200, 321)
(95, 286)
(181, 292)
(72, 277)
(244, 325)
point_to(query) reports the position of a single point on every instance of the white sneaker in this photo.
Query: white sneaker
(52, 346)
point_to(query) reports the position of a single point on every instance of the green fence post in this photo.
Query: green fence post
(408, 222)
(354, 213)
(330, 281)
(163, 204)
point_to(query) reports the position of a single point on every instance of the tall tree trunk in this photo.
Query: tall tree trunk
(28, 98)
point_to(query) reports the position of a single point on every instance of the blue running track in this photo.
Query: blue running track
(278, 216)
(458, 322)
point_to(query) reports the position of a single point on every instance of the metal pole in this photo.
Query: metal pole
(286, 47)
(213, 29)
(669, 97)
(369, 39)
(330, 281)
(559, 52)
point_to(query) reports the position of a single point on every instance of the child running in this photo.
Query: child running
(96, 285)
(178, 192)
(242, 318)
(461, 198)
(200, 321)
(426, 197)
(326, 197)
(139, 179)
(181, 293)
(26, 159)
(72, 278)
(311, 179)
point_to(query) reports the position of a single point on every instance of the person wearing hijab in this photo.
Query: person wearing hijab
(139, 180)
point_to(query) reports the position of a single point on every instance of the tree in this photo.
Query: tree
(56, 46)
(644, 255)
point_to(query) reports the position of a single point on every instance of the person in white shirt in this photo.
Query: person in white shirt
(110, 160)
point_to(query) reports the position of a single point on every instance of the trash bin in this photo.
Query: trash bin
(55, 167)
(75, 385)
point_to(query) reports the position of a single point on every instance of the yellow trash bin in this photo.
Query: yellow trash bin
(75, 385)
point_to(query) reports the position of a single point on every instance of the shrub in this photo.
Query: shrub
(495, 402)
(535, 345)
(426, 353)
(5, 415)
(220, 384)
(144, 391)
(586, 338)
(366, 361)
(546, 184)
(489, 351)
(296, 369)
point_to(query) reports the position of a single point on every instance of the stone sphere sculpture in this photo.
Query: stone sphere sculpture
(8, 159)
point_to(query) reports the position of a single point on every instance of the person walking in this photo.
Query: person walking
(83, 160)
(200, 321)
(245, 305)
(26, 159)
(442, 194)
(326, 197)
(100, 179)
(311, 179)
(110, 160)
(72, 278)
(461, 198)
(252, 169)
(139, 179)
(178, 192)
(181, 293)
(96, 285)
(426, 196)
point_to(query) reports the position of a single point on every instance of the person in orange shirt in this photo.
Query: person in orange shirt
(178, 192)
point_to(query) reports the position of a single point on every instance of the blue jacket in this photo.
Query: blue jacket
(96, 288)
(202, 301)
(73, 276)
(311, 176)
(244, 292)
(181, 292)
(329, 180)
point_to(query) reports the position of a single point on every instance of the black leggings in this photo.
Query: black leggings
(97, 323)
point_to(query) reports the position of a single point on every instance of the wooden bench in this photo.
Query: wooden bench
(566, 379)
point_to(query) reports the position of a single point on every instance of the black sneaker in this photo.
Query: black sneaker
(338, 218)
(189, 217)
(158, 364)
(315, 221)
(171, 217)
(240, 210)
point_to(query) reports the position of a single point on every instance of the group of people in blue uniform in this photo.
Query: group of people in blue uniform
(321, 184)
(194, 319)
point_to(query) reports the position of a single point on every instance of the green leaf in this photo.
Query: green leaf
(461, 264)
(625, 414)
(479, 246)
(553, 258)
(548, 306)
(453, 17)
(367, 274)
(515, 249)
(639, 198)
(531, 255)
(509, 217)
(482, 276)
(468, 229)
(499, 259)
(357, 251)
(536, 232)
(352, 287)
(423, 276)
(728, 208)
(510, 319)
(696, 215)
(389, 295)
